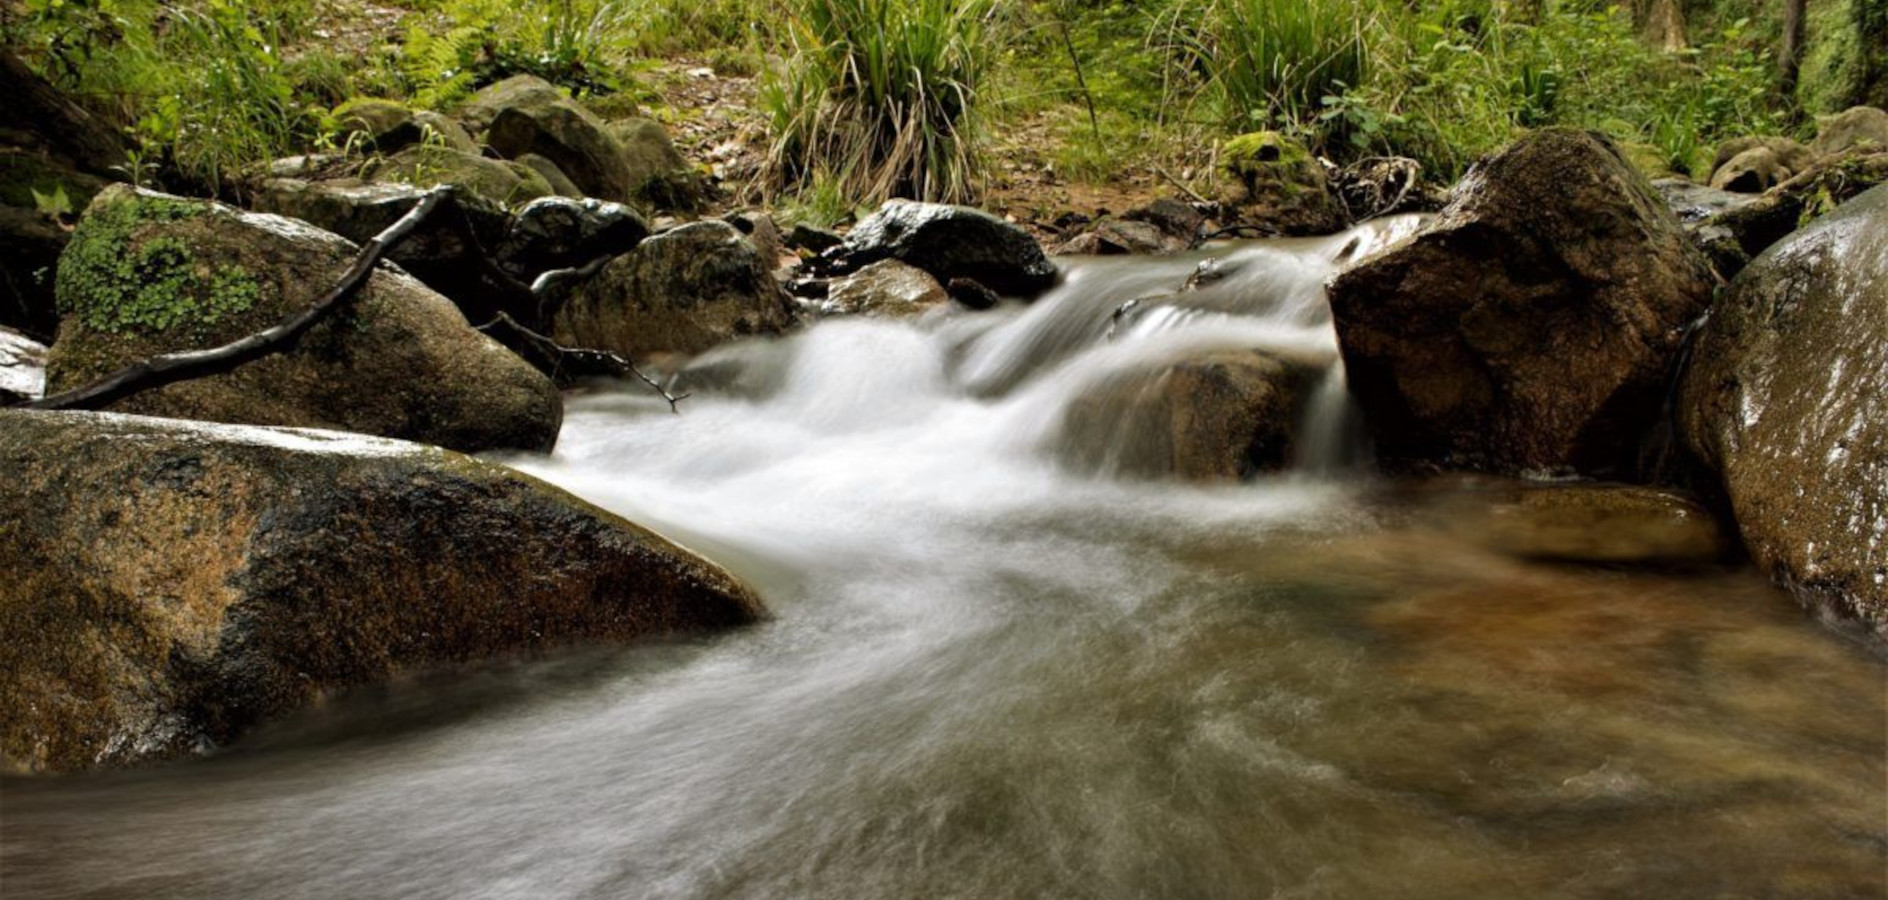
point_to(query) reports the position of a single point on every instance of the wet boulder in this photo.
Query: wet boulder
(148, 274)
(170, 585)
(1532, 326)
(1786, 401)
(885, 288)
(1217, 416)
(682, 291)
(1276, 184)
(22, 367)
(952, 242)
(562, 233)
(1857, 129)
(440, 253)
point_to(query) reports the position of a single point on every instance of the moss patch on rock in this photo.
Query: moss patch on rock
(117, 281)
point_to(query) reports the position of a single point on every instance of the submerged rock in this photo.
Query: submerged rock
(1533, 324)
(1585, 523)
(1219, 416)
(1784, 400)
(172, 584)
(682, 291)
(150, 274)
(438, 252)
(952, 242)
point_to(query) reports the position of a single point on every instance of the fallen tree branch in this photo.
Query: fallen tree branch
(565, 363)
(1190, 192)
(171, 368)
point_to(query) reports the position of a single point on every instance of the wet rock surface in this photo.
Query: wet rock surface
(885, 288)
(22, 367)
(682, 291)
(1220, 416)
(173, 584)
(1783, 400)
(561, 232)
(1532, 325)
(952, 242)
(400, 362)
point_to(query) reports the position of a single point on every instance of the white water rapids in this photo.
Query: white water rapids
(990, 674)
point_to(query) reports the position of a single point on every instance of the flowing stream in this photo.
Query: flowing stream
(1000, 667)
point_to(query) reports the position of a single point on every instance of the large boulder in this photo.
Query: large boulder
(682, 291)
(1276, 184)
(148, 274)
(1786, 400)
(1533, 324)
(569, 136)
(952, 242)
(1766, 161)
(1218, 416)
(519, 90)
(440, 253)
(172, 584)
(658, 173)
(1860, 128)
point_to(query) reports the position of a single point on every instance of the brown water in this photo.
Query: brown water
(990, 676)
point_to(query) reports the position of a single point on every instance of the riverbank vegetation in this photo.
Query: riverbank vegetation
(864, 99)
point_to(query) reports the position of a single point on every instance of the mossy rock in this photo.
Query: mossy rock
(170, 585)
(1652, 162)
(498, 181)
(149, 274)
(385, 124)
(1276, 184)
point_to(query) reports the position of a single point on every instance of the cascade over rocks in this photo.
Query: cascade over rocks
(682, 291)
(22, 367)
(150, 274)
(1533, 324)
(1218, 416)
(952, 242)
(170, 585)
(1786, 401)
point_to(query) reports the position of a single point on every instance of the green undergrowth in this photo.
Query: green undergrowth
(117, 280)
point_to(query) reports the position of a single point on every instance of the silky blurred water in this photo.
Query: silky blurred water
(990, 674)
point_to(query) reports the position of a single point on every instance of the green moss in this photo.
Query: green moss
(1266, 148)
(116, 280)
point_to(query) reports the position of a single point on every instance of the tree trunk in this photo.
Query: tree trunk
(1661, 23)
(1790, 57)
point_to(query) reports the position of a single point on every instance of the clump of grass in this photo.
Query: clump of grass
(883, 96)
(1273, 63)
